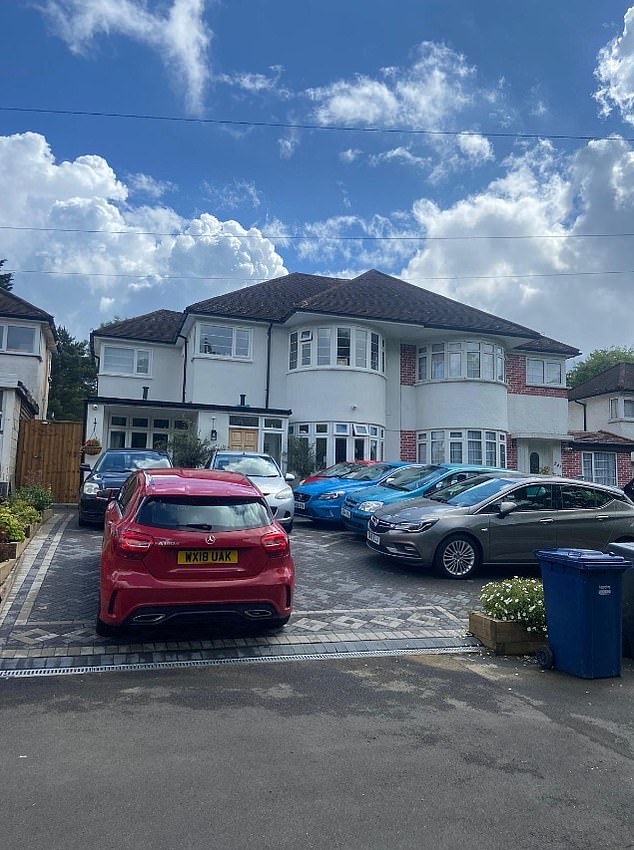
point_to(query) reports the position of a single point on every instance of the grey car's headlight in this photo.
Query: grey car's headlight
(370, 507)
(421, 525)
(284, 493)
(90, 488)
(334, 494)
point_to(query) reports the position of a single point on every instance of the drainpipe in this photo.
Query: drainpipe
(268, 365)
(583, 404)
(180, 336)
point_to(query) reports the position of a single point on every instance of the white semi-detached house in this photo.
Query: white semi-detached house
(27, 342)
(368, 368)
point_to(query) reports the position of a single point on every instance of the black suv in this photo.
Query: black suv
(107, 477)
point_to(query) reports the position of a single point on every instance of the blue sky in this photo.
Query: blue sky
(176, 201)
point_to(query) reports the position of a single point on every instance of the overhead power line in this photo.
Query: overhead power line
(229, 279)
(314, 236)
(283, 125)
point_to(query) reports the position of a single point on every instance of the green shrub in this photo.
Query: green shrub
(520, 600)
(301, 456)
(24, 513)
(10, 527)
(37, 496)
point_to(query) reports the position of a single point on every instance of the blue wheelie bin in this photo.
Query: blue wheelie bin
(582, 596)
(627, 551)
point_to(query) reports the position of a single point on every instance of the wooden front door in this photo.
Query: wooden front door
(243, 439)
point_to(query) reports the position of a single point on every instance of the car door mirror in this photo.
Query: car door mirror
(505, 508)
(289, 477)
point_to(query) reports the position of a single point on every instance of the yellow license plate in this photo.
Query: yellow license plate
(195, 557)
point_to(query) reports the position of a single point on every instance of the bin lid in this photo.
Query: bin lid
(585, 559)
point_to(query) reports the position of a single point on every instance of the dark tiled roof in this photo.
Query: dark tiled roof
(601, 438)
(545, 345)
(271, 301)
(618, 378)
(372, 295)
(13, 306)
(160, 326)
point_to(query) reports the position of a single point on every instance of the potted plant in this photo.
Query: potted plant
(92, 446)
(513, 617)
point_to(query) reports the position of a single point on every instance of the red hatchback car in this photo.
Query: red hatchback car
(191, 545)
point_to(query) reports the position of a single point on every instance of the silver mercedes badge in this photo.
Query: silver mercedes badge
(210, 540)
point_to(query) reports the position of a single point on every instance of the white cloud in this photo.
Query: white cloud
(477, 149)
(288, 143)
(615, 72)
(437, 85)
(232, 195)
(257, 83)
(143, 184)
(133, 269)
(180, 37)
(401, 155)
(350, 155)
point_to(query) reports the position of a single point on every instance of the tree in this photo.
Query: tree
(6, 279)
(598, 361)
(301, 456)
(188, 450)
(73, 378)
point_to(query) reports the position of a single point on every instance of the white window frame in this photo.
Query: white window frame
(234, 332)
(545, 364)
(318, 348)
(135, 373)
(589, 471)
(625, 414)
(614, 408)
(460, 360)
(457, 441)
(5, 338)
(1, 411)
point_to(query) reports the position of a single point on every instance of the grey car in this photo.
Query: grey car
(263, 471)
(501, 521)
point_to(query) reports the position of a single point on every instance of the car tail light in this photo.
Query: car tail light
(134, 545)
(276, 543)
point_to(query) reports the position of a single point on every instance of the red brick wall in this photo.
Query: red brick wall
(511, 453)
(516, 379)
(570, 463)
(408, 365)
(408, 445)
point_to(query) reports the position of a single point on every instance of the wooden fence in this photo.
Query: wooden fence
(49, 454)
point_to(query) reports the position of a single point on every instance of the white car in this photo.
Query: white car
(263, 471)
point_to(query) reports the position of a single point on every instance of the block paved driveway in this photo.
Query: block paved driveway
(348, 600)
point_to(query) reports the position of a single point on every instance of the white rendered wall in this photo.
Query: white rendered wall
(331, 394)
(165, 382)
(538, 415)
(455, 404)
(598, 415)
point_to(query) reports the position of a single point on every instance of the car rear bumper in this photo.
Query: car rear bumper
(138, 593)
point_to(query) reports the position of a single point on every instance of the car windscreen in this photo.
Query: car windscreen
(465, 494)
(369, 473)
(337, 470)
(261, 467)
(202, 513)
(129, 461)
(410, 477)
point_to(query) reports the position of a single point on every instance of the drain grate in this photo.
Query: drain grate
(217, 662)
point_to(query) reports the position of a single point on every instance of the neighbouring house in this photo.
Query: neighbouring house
(27, 342)
(367, 368)
(601, 418)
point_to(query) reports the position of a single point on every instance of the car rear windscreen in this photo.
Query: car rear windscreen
(203, 513)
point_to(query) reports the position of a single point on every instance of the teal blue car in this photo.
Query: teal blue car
(408, 482)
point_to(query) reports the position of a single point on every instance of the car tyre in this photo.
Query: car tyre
(457, 557)
(288, 528)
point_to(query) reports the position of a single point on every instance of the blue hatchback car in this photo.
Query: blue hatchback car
(415, 479)
(322, 499)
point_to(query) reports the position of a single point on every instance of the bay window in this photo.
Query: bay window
(336, 346)
(474, 446)
(459, 360)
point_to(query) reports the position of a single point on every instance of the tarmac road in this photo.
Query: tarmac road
(363, 754)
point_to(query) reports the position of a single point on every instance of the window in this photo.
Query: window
(292, 353)
(323, 346)
(374, 352)
(470, 359)
(306, 350)
(1, 408)
(273, 423)
(472, 446)
(360, 430)
(578, 498)
(628, 408)
(599, 467)
(303, 429)
(544, 372)
(225, 341)
(343, 346)
(534, 497)
(614, 408)
(244, 421)
(21, 339)
(342, 428)
(361, 350)
(118, 360)
(321, 428)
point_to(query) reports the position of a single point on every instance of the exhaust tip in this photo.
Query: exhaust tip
(148, 618)
(258, 613)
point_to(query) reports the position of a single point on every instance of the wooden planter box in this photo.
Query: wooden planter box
(503, 636)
